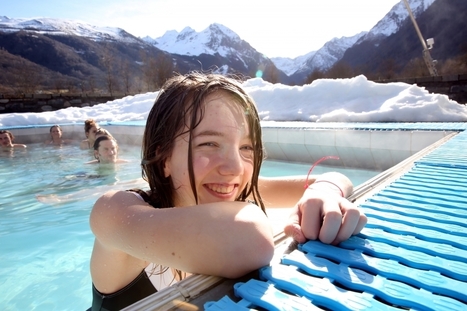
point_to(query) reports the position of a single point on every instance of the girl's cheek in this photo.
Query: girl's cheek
(203, 162)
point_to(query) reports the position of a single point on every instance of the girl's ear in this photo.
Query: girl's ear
(167, 170)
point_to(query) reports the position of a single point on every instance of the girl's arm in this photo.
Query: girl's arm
(282, 191)
(226, 239)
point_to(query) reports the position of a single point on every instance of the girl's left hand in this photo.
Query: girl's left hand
(323, 215)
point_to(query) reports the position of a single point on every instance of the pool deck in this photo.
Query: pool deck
(411, 255)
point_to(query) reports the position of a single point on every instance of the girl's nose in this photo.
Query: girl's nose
(231, 162)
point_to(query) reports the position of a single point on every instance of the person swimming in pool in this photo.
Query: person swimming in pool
(106, 151)
(205, 210)
(7, 141)
(56, 136)
(90, 129)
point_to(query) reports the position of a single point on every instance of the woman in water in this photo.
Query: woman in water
(205, 210)
(106, 151)
(7, 141)
(56, 136)
(90, 129)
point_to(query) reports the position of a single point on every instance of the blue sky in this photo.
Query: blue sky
(276, 28)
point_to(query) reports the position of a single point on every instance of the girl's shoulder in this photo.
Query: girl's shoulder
(84, 144)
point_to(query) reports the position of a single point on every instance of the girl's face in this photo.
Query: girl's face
(5, 140)
(56, 132)
(222, 155)
(107, 152)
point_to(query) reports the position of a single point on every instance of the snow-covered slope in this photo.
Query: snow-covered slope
(392, 21)
(65, 27)
(334, 50)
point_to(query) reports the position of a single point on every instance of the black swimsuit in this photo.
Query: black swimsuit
(141, 287)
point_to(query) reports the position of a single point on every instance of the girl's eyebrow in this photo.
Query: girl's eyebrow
(208, 133)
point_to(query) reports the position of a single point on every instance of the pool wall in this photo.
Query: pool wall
(366, 148)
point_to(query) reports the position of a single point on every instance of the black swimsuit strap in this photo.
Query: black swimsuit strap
(146, 197)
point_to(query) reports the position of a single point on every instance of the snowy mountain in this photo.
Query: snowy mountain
(53, 26)
(393, 20)
(220, 39)
(216, 40)
(332, 51)
(78, 50)
(288, 65)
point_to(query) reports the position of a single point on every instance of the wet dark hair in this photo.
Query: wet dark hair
(179, 105)
(102, 131)
(88, 124)
(12, 138)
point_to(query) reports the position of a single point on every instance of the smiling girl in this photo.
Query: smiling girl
(205, 211)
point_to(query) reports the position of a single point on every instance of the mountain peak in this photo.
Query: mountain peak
(216, 38)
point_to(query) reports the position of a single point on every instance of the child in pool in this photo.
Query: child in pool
(205, 211)
(7, 141)
(56, 136)
(106, 151)
(90, 129)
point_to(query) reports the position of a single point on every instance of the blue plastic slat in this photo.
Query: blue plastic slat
(321, 291)
(438, 172)
(417, 222)
(454, 194)
(410, 242)
(415, 259)
(450, 185)
(443, 162)
(407, 194)
(394, 292)
(423, 234)
(429, 280)
(266, 296)
(408, 209)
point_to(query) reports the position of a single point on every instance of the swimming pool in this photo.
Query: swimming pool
(45, 246)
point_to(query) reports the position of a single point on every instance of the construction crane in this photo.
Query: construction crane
(427, 46)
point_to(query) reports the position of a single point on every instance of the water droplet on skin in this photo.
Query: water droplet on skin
(150, 216)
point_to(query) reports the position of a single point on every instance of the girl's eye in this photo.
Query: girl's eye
(247, 151)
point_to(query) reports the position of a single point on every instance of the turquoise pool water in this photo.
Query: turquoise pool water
(45, 245)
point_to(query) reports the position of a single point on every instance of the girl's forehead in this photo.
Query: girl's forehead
(224, 111)
(108, 143)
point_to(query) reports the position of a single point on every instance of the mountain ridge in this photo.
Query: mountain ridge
(87, 49)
